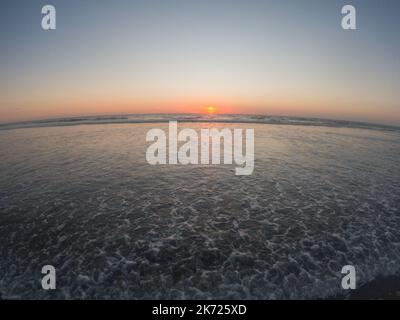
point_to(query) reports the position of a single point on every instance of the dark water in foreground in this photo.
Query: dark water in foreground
(83, 199)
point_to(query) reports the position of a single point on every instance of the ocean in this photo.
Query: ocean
(78, 194)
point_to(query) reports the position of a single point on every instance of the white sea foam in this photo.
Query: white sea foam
(83, 199)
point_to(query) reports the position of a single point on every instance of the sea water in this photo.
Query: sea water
(83, 199)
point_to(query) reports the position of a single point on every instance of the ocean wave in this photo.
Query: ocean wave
(160, 118)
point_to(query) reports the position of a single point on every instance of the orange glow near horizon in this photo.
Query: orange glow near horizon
(211, 110)
(99, 103)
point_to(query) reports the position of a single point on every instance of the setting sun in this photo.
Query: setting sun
(211, 110)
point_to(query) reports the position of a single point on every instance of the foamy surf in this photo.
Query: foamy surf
(83, 199)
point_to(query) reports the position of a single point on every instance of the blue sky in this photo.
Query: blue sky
(281, 57)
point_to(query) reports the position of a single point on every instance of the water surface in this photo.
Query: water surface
(83, 198)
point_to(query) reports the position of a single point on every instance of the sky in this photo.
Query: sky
(277, 57)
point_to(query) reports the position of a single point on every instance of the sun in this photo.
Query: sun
(211, 110)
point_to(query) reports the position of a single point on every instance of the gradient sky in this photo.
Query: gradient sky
(280, 57)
